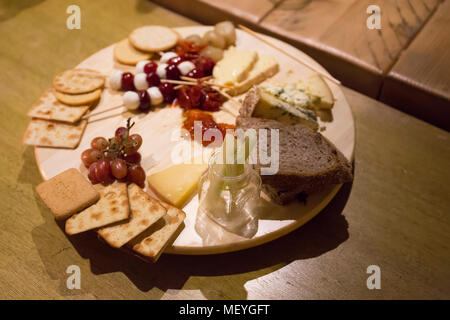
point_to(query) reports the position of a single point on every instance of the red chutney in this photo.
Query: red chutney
(199, 96)
(188, 50)
(207, 122)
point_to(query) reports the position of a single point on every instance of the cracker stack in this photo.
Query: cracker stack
(56, 118)
(121, 215)
(143, 42)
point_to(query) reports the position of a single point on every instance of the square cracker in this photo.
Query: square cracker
(67, 193)
(154, 245)
(49, 108)
(112, 207)
(145, 211)
(45, 133)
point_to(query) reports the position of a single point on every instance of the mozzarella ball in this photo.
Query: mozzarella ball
(161, 70)
(167, 56)
(131, 100)
(140, 66)
(115, 80)
(185, 67)
(156, 96)
(140, 81)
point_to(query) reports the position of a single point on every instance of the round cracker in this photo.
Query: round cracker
(78, 99)
(76, 81)
(153, 38)
(125, 53)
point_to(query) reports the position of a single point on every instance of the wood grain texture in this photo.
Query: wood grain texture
(419, 82)
(213, 11)
(338, 32)
(394, 215)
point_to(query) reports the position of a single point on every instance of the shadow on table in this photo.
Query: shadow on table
(323, 233)
(9, 9)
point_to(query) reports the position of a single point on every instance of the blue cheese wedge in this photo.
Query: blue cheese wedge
(271, 107)
(234, 67)
(314, 93)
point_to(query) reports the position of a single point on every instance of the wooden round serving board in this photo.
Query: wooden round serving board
(201, 236)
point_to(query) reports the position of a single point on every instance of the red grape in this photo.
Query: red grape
(167, 91)
(128, 81)
(175, 60)
(99, 143)
(134, 142)
(133, 158)
(119, 168)
(144, 101)
(172, 72)
(153, 79)
(195, 73)
(91, 175)
(137, 175)
(103, 170)
(90, 156)
(120, 133)
(150, 67)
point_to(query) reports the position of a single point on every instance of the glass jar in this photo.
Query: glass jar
(230, 201)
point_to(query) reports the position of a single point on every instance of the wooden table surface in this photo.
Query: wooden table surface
(394, 215)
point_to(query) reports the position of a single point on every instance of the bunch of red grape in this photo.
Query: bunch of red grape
(115, 158)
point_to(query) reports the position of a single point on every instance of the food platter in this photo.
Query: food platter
(199, 235)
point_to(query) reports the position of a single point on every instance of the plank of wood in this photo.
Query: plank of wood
(337, 32)
(213, 11)
(395, 214)
(419, 82)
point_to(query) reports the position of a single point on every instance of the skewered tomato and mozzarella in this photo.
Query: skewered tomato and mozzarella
(119, 80)
(145, 99)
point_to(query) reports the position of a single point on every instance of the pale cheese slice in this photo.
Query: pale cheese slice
(234, 67)
(145, 211)
(177, 183)
(264, 68)
(319, 88)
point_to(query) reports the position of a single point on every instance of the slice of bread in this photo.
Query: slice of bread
(307, 160)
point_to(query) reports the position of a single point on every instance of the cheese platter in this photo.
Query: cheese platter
(147, 94)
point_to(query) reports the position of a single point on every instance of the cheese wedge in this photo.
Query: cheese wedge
(264, 68)
(177, 183)
(234, 67)
(270, 107)
(319, 88)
